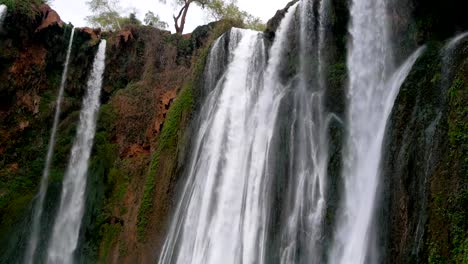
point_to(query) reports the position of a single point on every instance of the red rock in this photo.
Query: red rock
(124, 35)
(49, 18)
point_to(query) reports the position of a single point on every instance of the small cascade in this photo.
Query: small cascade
(39, 201)
(3, 12)
(454, 41)
(371, 94)
(67, 224)
(447, 56)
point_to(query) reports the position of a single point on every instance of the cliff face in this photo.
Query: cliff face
(151, 91)
(425, 164)
(31, 63)
(133, 169)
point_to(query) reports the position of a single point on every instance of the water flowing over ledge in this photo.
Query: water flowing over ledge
(68, 220)
(3, 13)
(222, 215)
(372, 94)
(39, 204)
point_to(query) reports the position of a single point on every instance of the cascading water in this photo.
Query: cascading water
(222, 216)
(39, 203)
(3, 12)
(68, 220)
(371, 95)
(301, 239)
(453, 43)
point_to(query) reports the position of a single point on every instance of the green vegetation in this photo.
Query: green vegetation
(451, 204)
(107, 14)
(222, 10)
(167, 142)
(458, 125)
(458, 136)
(25, 7)
(109, 234)
(154, 21)
(174, 125)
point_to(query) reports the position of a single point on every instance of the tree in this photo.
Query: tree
(179, 19)
(219, 9)
(106, 14)
(154, 21)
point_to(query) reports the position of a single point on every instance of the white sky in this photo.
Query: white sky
(75, 11)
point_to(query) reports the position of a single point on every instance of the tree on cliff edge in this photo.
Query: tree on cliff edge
(106, 13)
(218, 9)
(180, 18)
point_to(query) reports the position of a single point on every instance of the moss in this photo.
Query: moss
(450, 204)
(167, 142)
(25, 7)
(109, 233)
(458, 127)
(14, 210)
(434, 256)
(458, 137)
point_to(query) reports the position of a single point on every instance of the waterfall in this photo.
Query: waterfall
(452, 43)
(301, 238)
(222, 215)
(68, 220)
(371, 94)
(447, 55)
(3, 12)
(39, 204)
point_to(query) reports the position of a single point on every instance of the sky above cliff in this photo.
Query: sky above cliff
(75, 11)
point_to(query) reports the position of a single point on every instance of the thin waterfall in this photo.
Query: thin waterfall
(68, 220)
(452, 43)
(371, 94)
(301, 239)
(39, 203)
(3, 12)
(222, 215)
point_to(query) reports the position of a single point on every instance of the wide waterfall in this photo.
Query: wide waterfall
(373, 87)
(39, 203)
(67, 224)
(226, 209)
(223, 213)
(3, 12)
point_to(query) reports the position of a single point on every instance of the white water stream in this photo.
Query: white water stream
(373, 88)
(39, 202)
(68, 220)
(3, 12)
(222, 216)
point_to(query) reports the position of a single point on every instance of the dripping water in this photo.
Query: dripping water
(39, 201)
(68, 220)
